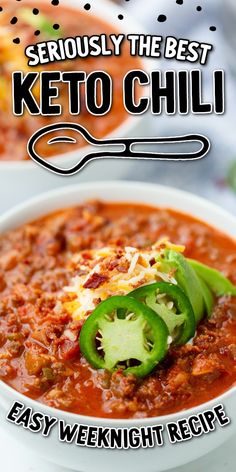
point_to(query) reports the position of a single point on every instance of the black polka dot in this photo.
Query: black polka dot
(16, 40)
(35, 11)
(212, 28)
(37, 33)
(199, 8)
(87, 6)
(55, 2)
(180, 2)
(56, 26)
(14, 20)
(120, 17)
(161, 18)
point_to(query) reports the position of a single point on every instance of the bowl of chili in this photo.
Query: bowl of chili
(52, 362)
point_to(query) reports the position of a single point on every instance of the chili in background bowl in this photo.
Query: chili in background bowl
(86, 459)
(25, 176)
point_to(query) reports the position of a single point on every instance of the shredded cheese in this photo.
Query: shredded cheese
(113, 271)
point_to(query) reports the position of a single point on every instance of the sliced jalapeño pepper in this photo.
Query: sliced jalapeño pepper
(172, 305)
(186, 278)
(136, 342)
(214, 279)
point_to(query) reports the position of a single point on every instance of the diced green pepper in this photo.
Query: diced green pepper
(135, 342)
(48, 373)
(172, 305)
(214, 279)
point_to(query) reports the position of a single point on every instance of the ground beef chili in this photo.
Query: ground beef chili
(39, 350)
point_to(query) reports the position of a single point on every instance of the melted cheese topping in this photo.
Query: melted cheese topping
(110, 271)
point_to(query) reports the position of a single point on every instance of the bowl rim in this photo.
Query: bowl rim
(53, 195)
(130, 121)
(121, 184)
(116, 422)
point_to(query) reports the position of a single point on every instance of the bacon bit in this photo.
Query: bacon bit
(162, 246)
(119, 263)
(113, 264)
(86, 255)
(123, 268)
(152, 262)
(118, 242)
(26, 262)
(96, 301)
(95, 281)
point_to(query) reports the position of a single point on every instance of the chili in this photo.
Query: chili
(36, 262)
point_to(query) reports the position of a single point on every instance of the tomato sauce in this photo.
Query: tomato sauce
(39, 350)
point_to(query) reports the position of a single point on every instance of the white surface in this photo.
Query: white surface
(222, 460)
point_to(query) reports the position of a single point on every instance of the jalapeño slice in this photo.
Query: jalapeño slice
(135, 342)
(172, 305)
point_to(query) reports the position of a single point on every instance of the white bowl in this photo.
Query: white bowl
(139, 460)
(27, 178)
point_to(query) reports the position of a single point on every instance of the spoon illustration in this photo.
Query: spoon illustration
(124, 152)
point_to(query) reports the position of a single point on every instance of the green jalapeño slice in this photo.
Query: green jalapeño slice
(135, 341)
(172, 305)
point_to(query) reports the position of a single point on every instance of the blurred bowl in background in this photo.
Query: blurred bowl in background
(22, 179)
